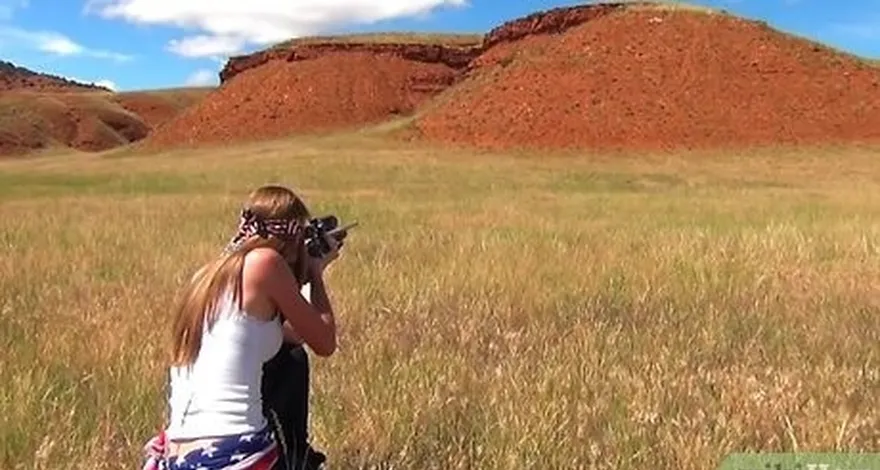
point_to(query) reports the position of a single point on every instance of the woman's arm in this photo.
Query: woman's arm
(314, 324)
(290, 335)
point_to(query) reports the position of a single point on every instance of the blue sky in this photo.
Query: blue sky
(144, 44)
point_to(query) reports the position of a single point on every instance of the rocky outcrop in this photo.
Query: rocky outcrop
(455, 57)
(619, 75)
(313, 92)
(552, 21)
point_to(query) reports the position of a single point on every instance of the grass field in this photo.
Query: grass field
(496, 311)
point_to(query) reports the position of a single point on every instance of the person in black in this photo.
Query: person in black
(286, 401)
(285, 390)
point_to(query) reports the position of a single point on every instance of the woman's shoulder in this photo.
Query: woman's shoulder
(266, 271)
(264, 263)
(263, 258)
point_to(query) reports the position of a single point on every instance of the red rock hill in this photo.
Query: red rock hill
(309, 86)
(602, 76)
(624, 76)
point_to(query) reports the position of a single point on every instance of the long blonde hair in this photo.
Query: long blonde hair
(272, 217)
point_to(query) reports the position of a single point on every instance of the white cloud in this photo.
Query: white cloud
(226, 27)
(55, 43)
(205, 46)
(107, 84)
(58, 45)
(202, 77)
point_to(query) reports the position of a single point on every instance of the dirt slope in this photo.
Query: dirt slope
(158, 107)
(88, 121)
(33, 121)
(317, 86)
(642, 77)
(41, 111)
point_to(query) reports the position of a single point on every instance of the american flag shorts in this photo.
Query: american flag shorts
(250, 451)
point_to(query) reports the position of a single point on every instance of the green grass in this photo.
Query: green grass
(25, 185)
(496, 310)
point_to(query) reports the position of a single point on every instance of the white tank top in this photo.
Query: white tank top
(220, 393)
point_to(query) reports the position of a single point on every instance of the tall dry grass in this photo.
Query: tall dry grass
(496, 311)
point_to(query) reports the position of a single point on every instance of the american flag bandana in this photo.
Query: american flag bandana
(250, 451)
(250, 225)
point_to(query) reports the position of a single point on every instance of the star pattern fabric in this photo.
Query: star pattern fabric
(251, 451)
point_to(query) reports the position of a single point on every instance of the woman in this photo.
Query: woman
(227, 326)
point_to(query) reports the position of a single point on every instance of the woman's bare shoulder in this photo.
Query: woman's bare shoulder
(268, 269)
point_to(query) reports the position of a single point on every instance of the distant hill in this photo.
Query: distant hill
(87, 121)
(608, 75)
(40, 111)
(14, 77)
(616, 75)
(653, 76)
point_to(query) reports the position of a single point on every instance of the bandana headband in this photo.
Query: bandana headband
(250, 225)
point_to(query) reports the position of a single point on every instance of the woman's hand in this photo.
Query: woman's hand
(316, 266)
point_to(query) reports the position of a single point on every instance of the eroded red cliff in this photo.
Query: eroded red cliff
(619, 75)
(552, 21)
(454, 57)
